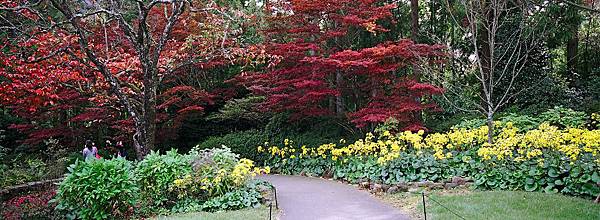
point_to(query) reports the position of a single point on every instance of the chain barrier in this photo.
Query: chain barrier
(271, 203)
(440, 204)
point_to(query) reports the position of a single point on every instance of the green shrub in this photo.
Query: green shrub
(3, 152)
(187, 205)
(242, 109)
(470, 124)
(215, 173)
(248, 196)
(156, 173)
(235, 200)
(555, 175)
(21, 170)
(243, 143)
(219, 158)
(522, 122)
(564, 117)
(557, 116)
(98, 189)
(311, 131)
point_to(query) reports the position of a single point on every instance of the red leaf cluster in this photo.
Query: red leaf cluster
(49, 80)
(313, 43)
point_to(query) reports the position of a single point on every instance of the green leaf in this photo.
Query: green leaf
(531, 187)
(530, 181)
(596, 177)
(553, 173)
(550, 189)
(558, 182)
(585, 178)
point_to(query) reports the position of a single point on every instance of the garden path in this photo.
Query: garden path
(307, 198)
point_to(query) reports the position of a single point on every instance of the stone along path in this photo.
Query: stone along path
(307, 198)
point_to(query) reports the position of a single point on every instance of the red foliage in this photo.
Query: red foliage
(311, 43)
(28, 206)
(47, 78)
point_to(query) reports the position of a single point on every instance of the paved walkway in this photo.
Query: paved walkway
(306, 198)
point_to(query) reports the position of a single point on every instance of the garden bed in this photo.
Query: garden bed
(546, 159)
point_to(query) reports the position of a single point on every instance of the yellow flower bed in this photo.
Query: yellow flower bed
(509, 144)
(208, 182)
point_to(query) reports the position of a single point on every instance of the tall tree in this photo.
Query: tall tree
(309, 41)
(120, 51)
(414, 20)
(502, 36)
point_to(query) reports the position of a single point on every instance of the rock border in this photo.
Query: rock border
(454, 183)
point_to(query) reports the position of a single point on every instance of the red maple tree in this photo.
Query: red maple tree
(110, 63)
(319, 66)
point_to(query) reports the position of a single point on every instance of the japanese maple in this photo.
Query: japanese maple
(112, 57)
(318, 67)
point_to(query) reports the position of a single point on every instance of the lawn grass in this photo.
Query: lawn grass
(498, 205)
(261, 213)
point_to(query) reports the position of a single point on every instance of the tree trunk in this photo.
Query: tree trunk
(490, 125)
(572, 45)
(414, 19)
(414, 35)
(144, 137)
(485, 58)
(339, 100)
(414, 30)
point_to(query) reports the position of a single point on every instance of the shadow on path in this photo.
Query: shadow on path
(307, 198)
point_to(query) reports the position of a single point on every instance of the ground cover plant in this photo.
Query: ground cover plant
(547, 158)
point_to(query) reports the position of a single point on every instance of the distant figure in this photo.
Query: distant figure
(95, 151)
(109, 146)
(121, 150)
(88, 151)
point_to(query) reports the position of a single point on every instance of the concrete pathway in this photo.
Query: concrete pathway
(307, 198)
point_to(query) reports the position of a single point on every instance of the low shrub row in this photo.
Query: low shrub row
(202, 180)
(244, 142)
(544, 159)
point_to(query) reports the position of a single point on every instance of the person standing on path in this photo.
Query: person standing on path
(95, 151)
(121, 150)
(88, 151)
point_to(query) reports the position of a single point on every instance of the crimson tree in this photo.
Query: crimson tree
(319, 65)
(115, 53)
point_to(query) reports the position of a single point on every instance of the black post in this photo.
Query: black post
(276, 203)
(270, 210)
(424, 209)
